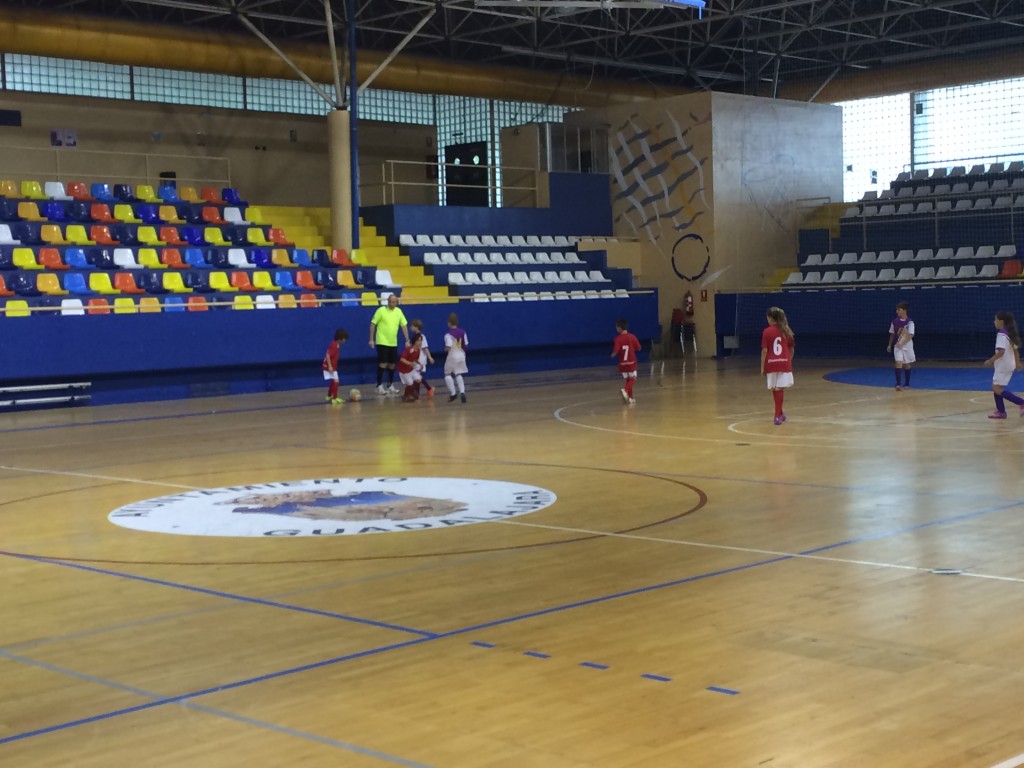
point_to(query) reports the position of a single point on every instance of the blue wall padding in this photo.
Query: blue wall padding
(580, 205)
(52, 347)
(952, 322)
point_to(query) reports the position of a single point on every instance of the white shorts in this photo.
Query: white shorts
(408, 379)
(628, 374)
(455, 362)
(780, 379)
(904, 354)
(1002, 378)
(330, 375)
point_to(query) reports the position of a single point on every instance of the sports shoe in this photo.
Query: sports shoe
(381, 389)
(625, 395)
(430, 391)
(330, 399)
(778, 420)
(337, 401)
(452, 398)
(393, 390)
(632, 401)
(783, 417)
(463, 397)
(997, 415)
(898, 387)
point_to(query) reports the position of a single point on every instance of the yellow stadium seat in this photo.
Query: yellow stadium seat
(189, 195)
(100, 282)
(280, 257)
(214, 236)
(76, 234)
(146, 193)
(50, 233)
(30, 212)
(256, 236)
(243, 302)
(9, 189)
(368, 299)
(219, 282)
(17, 308)
(49, 283)
(169, 215)
(254, 215)
(126, 213)
(148, 236)
(33, 190)
(125, 306)
(264, 282)
(25, 258)
(149, 304)
(172, 282)
(286, 301)
(148, 258)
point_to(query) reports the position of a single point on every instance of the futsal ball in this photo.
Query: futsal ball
(355, 395)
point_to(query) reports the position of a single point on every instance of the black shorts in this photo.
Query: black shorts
(386, 355)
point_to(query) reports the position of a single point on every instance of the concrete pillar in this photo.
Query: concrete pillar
(340, 161)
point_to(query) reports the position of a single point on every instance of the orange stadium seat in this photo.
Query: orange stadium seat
(50, 259)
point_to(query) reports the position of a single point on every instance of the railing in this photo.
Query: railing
(423, 183)
(73, 164)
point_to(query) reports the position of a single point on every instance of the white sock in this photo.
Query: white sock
(461, 383)
(450, 384)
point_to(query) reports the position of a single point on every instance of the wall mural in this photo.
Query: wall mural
(659, 189)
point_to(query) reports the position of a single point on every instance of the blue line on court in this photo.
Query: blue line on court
(537, 654)
(726, 691)
(482, 644)
(593, 665)
(274, 727)
(219, 593)
(659, 678)
(428, 637)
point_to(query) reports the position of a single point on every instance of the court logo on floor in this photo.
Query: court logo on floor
(334, 507)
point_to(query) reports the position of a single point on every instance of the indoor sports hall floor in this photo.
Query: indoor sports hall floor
(696, 588)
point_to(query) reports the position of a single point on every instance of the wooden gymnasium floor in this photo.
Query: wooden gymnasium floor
(707, 589)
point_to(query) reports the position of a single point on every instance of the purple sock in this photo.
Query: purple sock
(897, 372)
(1007, 394)
(1000, 406)
(906, 377)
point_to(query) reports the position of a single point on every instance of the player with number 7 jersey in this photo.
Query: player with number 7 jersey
(625, 347)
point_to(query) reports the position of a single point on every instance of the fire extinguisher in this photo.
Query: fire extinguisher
(688, 304)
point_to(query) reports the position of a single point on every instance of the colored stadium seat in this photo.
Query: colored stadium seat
(304, 279)
(9, 189)
(231, 197)
(30, 212)
(310, 301)
(169, 215)
(277, 236)
(172, 282)
(242, 302)
(25, 258)
(219, 282)
(149, 304)
(100, 234)
(76, 258)
(171, 257)
(287, 301)
(17, 308)
(1011, 268)
(254, 216)
(55, 190)
(256, 236)
(189, 195)
(240, 281)
(79, 191)
(50, 259)
(4, 290)
(124, 192)
(23, 283)
(125, 283)
(168, 193)
(148, 258)
(212, 215)
(49, 284)
(97, 306)
(197, 304)
(125, 213)
(265, 302)
(33, 190)
(51, 233)
(234, 216)
(263, 281)
(214, 236)
(285, 280)
(340, 257)
(212, 196)
(146, 193)
(72, 307)
(124, 258)
(100, 283)
(125, 306)
(101, 191)
(75, 283)
(194, 257)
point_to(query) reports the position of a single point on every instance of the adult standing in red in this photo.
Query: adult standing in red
(625, 346)
(777, 342)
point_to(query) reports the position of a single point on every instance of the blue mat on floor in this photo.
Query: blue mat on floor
(965, 379)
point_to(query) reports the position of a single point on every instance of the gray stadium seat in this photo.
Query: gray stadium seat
(964, 252)
(830, 260)
(967, 272)
(944, 253)
(926, 273)
(905, 255)
(1007, 252)
(793, 278)
(813, 260)
(849, 258)
(988, 272)
(884, 257)
(886, 275)
(907, 273)
(867, 276)
(832, 276)
(945, 273)
(868, 257)
(848, 276)
(985, 252)
(925, 254)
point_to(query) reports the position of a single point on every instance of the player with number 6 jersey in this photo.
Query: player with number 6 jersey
(625, 347)
(777, 343)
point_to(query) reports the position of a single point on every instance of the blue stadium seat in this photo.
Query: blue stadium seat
(101, 258)
(174, 304)
(286, 280)
(54, 211)
(23, 283)
(192, 235)
(168, 194)
(231, 197)
(300, 256)
(76, 259)
(190, 213)
(125, 193)
(76, 284)
(195, 257)
(80, 211)
(9, 210)
(260, 257)
(27, 232)
(148, 213)
(101, 191)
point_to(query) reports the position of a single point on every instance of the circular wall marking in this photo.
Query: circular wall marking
(336, 506)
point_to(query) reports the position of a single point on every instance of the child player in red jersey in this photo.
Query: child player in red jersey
(625, 346)
(330, 366)
(777, 342)
(409, 369)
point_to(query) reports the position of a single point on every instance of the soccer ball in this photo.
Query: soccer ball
(355, 395)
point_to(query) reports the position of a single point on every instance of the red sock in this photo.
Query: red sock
(629, 387)
(332, 390)
(777, 395)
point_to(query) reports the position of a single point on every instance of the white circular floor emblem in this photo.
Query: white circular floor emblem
(334, 507)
